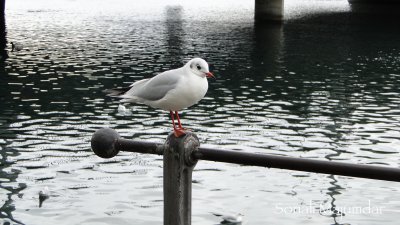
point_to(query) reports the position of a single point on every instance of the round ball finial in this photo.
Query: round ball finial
(103, 143)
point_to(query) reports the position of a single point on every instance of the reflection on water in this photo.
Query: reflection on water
(323, 85)
(175, 34)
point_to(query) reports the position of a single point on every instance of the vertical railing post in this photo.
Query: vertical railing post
(178, 167)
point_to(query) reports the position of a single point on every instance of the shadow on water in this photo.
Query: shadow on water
(388, 9)
(8, 176)
(343, 62)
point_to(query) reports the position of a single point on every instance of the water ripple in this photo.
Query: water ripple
(277, 91)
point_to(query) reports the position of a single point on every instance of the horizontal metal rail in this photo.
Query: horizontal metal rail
(108, 144)
(299, 164)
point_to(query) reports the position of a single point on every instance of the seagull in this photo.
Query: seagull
(121, 109)
(230, 218)
(172, 90)
(43, 195)
(16, 47)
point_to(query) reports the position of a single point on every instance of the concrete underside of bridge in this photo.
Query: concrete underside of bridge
(273, 10)
(382, 7)
(375, 1)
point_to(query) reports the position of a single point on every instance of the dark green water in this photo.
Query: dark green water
(323, 85)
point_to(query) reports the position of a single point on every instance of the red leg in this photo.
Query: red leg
(178, 131)
(172, 118)
(179, 120)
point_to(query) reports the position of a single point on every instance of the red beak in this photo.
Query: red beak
(209, 74)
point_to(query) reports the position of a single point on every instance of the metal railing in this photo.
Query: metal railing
(180, 156)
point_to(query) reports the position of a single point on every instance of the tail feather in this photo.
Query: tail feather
(116, 92)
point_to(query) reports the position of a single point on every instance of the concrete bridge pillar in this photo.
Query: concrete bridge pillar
(268, 10)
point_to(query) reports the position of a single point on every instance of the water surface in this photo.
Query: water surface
(324, 85)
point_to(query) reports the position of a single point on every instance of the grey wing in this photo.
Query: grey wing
(125, 92)
(157, 87)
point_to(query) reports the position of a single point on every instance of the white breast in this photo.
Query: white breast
(190, 90)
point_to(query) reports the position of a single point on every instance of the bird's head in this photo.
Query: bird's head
(199, 67)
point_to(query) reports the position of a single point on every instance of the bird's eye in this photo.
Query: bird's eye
(198, 67)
